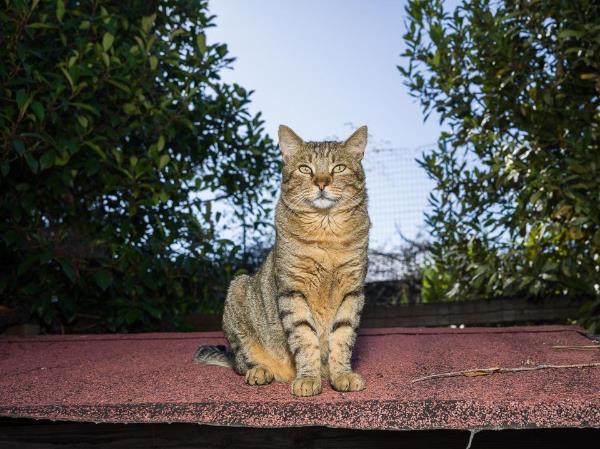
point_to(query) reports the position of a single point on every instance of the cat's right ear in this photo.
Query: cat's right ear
(289, 142)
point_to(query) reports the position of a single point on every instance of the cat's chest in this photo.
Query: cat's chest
(330, 275)
(331, 272)
(331, 258)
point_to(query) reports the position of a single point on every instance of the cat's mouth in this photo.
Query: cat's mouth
(322, 201)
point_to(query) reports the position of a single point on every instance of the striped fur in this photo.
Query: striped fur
(214, 355)
(295, 319)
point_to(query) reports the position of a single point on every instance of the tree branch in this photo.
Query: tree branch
(485, 371)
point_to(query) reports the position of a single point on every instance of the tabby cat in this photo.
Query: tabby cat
(295, 320)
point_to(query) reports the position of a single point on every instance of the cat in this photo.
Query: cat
(295, 319)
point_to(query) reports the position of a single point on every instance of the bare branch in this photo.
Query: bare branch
(485, 371)
(578, 347)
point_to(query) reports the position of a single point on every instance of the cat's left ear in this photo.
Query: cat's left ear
(289, 142)
(357, 142)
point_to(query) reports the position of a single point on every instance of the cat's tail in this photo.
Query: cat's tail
(214, 355)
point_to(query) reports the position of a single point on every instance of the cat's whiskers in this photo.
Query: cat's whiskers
(294, 203)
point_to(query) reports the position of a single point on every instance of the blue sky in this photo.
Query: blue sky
(319, 66)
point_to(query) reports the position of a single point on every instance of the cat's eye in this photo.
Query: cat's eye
(339, 168)
(305, 169)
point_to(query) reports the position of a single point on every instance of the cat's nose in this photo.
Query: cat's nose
(322, 181)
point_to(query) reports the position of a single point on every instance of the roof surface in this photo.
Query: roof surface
(151, 378)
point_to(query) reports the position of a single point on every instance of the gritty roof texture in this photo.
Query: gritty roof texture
(151, 378)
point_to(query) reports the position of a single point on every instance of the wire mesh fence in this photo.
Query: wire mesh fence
(398, 191)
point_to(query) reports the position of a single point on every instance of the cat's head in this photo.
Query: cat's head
(322, 175)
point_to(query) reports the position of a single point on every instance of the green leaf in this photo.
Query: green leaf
(570, 33)
(68, 77)
(161, 143)
(60, 9)
(62, 159)
(119, 85)
(222, 50)
(107, 41)
(154, 312)
(96, 148)
(148, 22)
(87, 107)
(33, 164)
(103, 278)
(201, 43)
(41, 25)
(535, 197)
(163, 161)
(38, 110)
(596, 239)
(21, 97)
(83, 121)
(19, 147)
(129, 108)
(153, 62)
(47, 160)
(23, 100)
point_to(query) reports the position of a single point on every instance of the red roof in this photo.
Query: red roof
(151, 378)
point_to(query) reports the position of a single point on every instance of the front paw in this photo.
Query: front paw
(259, 376)
(347, 382)
(306, 386)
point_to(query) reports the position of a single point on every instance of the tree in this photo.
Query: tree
(113, 121)
(516, 208)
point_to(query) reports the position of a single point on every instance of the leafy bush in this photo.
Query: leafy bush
(516, 209)
(113, 120)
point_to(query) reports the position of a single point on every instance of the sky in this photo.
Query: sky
(319, 65)
(325, 68)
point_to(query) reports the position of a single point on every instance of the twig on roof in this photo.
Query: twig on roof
(578, 347)
(497, 369)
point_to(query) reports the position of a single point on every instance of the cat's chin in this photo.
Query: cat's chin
(322, 203)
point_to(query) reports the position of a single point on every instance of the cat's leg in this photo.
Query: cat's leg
(246, 362)
(341, 341)
(249, 357)
(301, 333)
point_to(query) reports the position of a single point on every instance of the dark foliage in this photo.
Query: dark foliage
(113, 118)
(516, 209)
